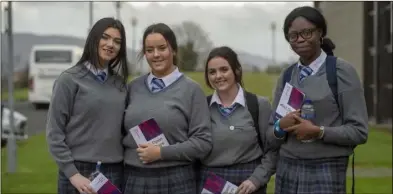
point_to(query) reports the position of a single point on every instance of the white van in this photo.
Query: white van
(45, 65)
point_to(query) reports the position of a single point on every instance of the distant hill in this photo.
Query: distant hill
(23, 43)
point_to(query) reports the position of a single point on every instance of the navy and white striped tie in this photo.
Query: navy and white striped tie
(157, 84)
(228, 110)
(101, 76)
(304, 72)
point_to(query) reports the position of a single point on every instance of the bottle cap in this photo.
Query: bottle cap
(307, 101)
(98, 166)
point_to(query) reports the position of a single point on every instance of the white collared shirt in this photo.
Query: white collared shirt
(316, 64)
(240, 99)
(168, 79)
(94, 70)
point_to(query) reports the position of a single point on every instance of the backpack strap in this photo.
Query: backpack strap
(331, 74)
(209, 99)
(126, 103)
(253, 108)
(287, 75)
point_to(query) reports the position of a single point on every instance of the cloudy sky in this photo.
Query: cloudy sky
(243, 26)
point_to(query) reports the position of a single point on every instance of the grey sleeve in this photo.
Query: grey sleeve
(354, 130)
(199, 142)
(276, 98)
(267, 168)
(58, 116)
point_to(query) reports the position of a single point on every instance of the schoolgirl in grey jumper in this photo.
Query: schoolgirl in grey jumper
(179, 106)
(237, 155)
(86, 111)
(314, 154)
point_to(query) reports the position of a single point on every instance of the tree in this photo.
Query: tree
(192, 41)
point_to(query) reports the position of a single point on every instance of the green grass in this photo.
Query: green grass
(362, 185)
(258, 83)
(377, 152)
(20, 94)
(37, 172)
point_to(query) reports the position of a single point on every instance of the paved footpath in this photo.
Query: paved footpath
(370, 172)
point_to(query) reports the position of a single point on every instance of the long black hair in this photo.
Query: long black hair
(117, 66)
(314, 16)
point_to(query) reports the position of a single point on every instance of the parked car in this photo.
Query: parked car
(20, 122)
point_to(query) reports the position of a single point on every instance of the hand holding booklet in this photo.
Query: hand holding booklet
(149, 132)
(217, 185)
(291, 99)
(101, 185)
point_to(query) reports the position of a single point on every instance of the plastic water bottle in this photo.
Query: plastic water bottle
(307, 111)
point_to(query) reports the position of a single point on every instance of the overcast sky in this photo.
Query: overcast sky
(243, 26)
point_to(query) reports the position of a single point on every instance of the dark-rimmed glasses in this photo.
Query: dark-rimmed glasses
(305, 34)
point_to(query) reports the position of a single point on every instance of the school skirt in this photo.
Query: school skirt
(113, 171)
(235, 174)
(310, 176)
(167, 180)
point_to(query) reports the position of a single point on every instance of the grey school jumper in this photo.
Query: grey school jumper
(182, 113)
(240, 145)
(339, 138)
(85, 119)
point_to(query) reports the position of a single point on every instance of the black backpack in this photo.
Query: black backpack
(253, 108)
(331, 75)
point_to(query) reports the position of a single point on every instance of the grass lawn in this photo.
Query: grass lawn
(20, 94)
(259, 83)
(37, 173)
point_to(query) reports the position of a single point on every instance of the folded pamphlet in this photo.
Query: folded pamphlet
(291, 99)
(217, 185)
(149, 132)
(102, 185)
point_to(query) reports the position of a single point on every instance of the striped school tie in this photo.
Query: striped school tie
(101, 76)
(157, 84)
(304, 72)
(228, 110)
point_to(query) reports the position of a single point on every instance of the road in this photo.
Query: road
(36, 118)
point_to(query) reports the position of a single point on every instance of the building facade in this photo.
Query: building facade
(362, 32)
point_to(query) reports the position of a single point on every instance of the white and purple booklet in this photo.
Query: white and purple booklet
(149, 132)
(102, 185)
(291, 99)
(217, 185)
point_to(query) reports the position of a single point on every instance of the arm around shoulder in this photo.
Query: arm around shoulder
(199, 142)
(354, 128)
(267, 168)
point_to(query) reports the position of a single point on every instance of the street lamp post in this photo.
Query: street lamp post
(118, 6)
(134, 22)
(11, 147)
(273, 28)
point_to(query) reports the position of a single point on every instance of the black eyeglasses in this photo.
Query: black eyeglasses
(305, 34)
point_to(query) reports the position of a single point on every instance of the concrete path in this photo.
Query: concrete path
(370, 172)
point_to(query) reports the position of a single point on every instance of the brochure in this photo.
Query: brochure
(217, 185)
(101, 185)
(291, 99)
(149, 132)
